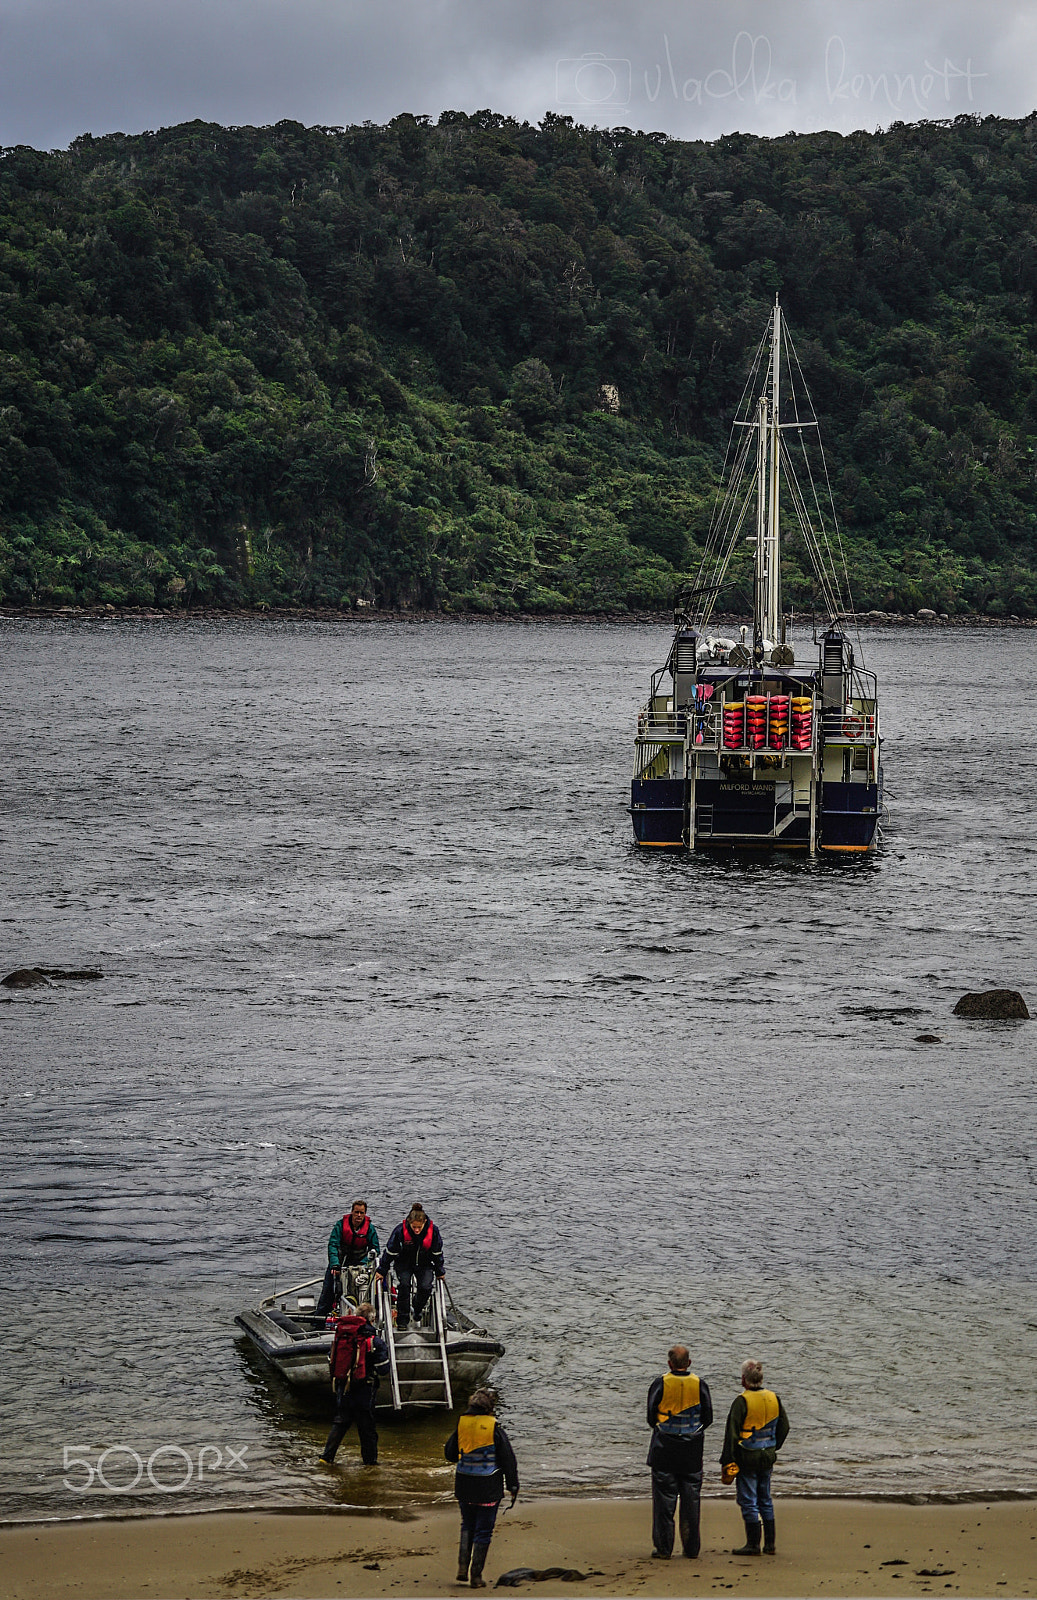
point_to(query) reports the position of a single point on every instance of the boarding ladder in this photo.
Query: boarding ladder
(419, 1372)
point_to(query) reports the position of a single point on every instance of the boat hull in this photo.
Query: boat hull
(301, 1357)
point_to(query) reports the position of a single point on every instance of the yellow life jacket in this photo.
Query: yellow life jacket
(476, 1453)
(760, 1428)
(680, 1410)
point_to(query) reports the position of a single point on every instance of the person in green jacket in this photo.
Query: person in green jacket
(757, 1427)
(353, 1239)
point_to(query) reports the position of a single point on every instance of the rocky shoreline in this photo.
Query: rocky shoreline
(373, 614)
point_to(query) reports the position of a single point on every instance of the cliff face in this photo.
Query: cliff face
(490, 366)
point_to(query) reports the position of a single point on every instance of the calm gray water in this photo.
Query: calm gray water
(371, 922)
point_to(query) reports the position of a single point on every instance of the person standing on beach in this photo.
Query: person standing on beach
(357, 1357)
(756, 1430)
(680, 1409)
(485, 1463)
(415, 1249)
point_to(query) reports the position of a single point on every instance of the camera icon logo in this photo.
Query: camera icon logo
(592, 80)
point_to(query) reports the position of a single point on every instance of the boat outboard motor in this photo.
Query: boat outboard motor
(836, 670)
(684, 667)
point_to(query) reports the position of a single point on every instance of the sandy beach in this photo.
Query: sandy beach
(829, 1547)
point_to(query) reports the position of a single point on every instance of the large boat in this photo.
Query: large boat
(738, 747)
(441, 1357)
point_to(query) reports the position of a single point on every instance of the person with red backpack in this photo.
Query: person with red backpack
(353, 1239)
(415, 1250)
(357, 1357)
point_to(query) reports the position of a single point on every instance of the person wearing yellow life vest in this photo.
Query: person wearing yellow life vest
(757, 1427)
(680, 1410)
(485, 1463)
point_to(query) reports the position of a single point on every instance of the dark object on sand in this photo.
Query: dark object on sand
(517, 1575)
(928, 1038)
(37, 977)
(995, 1005)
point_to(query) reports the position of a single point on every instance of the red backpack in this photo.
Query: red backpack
(349, 1351)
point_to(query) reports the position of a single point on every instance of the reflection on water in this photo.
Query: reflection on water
(372, 923)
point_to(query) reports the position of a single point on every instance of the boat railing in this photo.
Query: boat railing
(271, 1300)
(383, 1320)
(651, 723)
(850, 725)
(439, 1301)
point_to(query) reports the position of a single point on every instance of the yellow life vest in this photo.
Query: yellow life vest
(476, 1453)
(680, 1409)
(760, 1428)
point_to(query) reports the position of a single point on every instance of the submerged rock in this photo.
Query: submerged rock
(993, 1005)
(41, 977)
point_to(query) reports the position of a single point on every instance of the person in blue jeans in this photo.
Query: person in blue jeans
(757, 1427)
(485, 1463)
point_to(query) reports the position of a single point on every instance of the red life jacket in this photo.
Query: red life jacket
(425, 1242)
(350, 1352)
(351, 1239)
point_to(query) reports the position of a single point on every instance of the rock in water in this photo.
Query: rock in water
(25, 978)
(994, 1005)
(40, 977)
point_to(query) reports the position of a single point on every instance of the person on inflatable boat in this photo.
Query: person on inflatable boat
(353, 1238)
(415, 1249)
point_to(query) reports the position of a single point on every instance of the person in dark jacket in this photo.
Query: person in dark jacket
(415, 1250)
(485, 1463)
(357, 1357)
(353, 1238)
(679, 1411)
(757, 1427)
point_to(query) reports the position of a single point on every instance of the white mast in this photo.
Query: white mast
(773, 562)
(760, 585)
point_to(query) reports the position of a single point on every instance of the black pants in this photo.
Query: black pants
(669, 1488)
(423, 1288)
(328, 1295)
(355, 1404)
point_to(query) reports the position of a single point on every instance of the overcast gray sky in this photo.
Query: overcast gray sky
(691, 69)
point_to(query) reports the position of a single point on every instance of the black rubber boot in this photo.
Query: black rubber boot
(768, 1538)
(478, 1562)
(751, 1547)
(464, 1556)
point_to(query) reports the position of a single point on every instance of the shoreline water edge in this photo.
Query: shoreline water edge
(825, 1546)
(372, 614)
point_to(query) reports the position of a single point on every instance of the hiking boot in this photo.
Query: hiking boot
(477, 1581)
(751, 1547)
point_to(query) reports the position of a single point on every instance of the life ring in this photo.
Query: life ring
(853, 727)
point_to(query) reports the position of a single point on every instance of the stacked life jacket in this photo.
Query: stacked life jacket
(760, 1428)
(351, 1352)
(477, 1455)
(680, 1410)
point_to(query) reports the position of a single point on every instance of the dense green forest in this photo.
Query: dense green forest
(288, 365)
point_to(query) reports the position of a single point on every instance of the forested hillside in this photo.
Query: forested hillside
(288, 365)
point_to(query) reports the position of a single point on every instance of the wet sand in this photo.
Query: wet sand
(825, 1547)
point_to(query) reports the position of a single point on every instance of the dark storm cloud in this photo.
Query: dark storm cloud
(694, 70)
